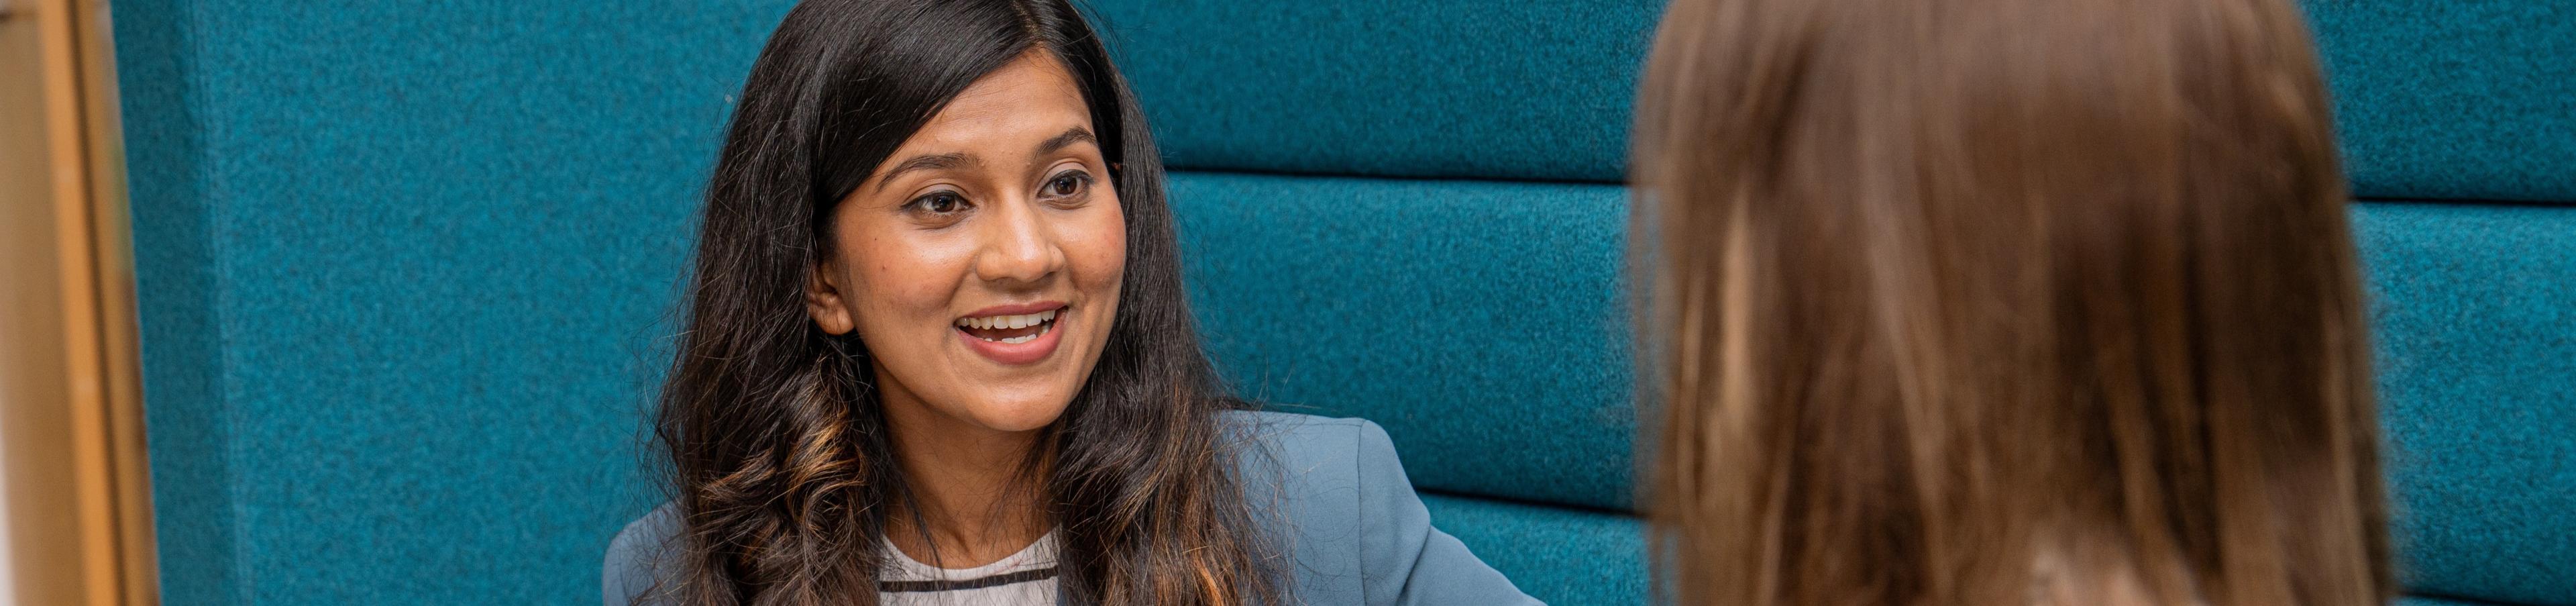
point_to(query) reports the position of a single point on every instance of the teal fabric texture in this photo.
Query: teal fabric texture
(1562, 557)
(2425, 601)
(1481, 323)
(2476, 325)
(2454, 100)
(1533, 89)
(2438, 100)
(406, 274)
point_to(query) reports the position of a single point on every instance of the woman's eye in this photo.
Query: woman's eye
(1067, 185)
(939, 203)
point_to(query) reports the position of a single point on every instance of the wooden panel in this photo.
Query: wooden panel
(78, 493)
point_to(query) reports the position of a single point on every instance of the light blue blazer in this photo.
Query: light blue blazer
(1329, 491)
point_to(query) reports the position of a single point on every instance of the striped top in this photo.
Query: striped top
(1027, 577)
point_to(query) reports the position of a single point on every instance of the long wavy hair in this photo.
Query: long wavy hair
(2002, 302)
(779, 452)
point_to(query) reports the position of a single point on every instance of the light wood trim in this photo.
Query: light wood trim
(94, 509)
(110, 488)
(112, 226)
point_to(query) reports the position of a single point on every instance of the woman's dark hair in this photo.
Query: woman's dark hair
(779, 451)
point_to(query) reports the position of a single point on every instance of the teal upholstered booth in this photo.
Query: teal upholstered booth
(407, 269)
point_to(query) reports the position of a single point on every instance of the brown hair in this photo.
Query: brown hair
(2001, 301)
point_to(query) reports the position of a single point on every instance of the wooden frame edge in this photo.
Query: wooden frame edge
(94, 237)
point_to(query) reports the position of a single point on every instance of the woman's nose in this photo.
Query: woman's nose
(1018, 247)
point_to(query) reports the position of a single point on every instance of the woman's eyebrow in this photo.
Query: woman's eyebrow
(1072, 135)
(927, 162)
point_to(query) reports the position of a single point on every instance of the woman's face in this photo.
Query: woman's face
(980, 263)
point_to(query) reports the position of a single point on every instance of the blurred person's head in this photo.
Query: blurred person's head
(2001, 301)
(942, 221)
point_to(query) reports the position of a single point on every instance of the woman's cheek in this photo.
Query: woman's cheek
(1104, 253)
(911, 286)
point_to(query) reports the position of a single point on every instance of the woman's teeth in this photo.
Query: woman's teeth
(1007, 322)
(1022, 338)
(1044, 321)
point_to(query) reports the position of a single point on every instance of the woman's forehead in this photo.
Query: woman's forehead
(1032, 97)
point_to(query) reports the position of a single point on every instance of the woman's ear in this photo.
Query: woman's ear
(824, 302)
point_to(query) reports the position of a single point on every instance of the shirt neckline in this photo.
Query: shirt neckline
(1038, 554)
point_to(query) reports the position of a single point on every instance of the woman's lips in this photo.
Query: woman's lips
(1013, 335)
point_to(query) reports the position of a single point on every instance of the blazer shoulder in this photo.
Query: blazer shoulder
(637, 559)
(1357, 531)
(1296, 438)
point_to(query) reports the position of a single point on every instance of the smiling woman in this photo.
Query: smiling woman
(966, 265)
(937, 353)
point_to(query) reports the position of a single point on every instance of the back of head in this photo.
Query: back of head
(1998, 301)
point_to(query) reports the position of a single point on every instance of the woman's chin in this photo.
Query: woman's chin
(1017, 415)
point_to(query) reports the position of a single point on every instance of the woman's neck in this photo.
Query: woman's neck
(973, 500)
